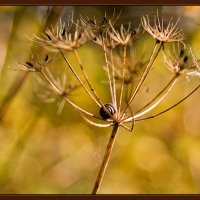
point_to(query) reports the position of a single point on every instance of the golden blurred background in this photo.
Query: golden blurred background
(42, 152)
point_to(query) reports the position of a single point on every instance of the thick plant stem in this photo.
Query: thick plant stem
(105, 159)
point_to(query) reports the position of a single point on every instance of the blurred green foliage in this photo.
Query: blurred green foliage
(42, 152)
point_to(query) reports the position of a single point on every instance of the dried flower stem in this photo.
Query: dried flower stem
(51, 83)
(123, 77)
(74, 105)
(113, 80)
(159, 97)
(86, 77)
(105, 159)
(60, 93)
(171, 107)
(163, 90)
(154, 55)
(108, 71)
(75, 74)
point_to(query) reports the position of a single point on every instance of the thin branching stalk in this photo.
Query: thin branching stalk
(113, 80)
(108, 71)
(105, 159)
(76, 75)
(153, 57)
(123, 77)
(160, 97)
(51, 83)
(87, 91)
(171, 107)
(86, 77)
(54, 86)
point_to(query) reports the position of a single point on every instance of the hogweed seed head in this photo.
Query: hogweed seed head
(63, 37)
(49, 94)
(107, 41)
(181, 61)
(95, 30)
(36, 64)
(122, 36)
(98, 31)
(133, 67)
(162, 33)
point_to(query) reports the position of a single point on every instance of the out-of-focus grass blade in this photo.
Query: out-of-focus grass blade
(18, 82)
(18, 15)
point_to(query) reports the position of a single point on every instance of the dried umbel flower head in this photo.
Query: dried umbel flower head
(134, 66)
(181, 61)
(97, 31)
(47, 92)
(123, 36)
(36, 64)
(92, 27)
(162, 32)
(108, 41)
(66, 36)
